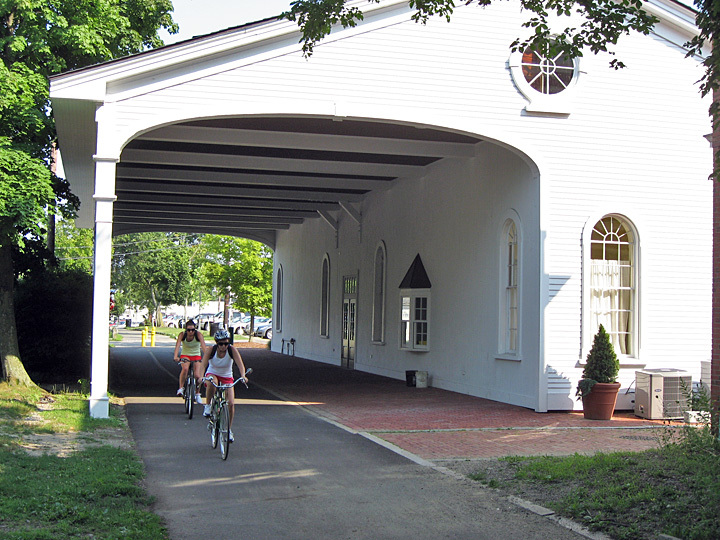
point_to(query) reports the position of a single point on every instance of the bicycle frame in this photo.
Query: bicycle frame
(190, 387)
(219, 423)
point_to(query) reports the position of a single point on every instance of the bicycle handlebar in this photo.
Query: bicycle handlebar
(241, 379)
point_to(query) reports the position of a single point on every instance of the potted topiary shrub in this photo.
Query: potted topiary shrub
(598, 388)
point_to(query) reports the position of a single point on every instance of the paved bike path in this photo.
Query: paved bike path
(292, 475)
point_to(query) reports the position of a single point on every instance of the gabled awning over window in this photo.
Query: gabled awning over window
(416, 277)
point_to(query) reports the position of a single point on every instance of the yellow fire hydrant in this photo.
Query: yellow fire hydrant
(143, 336)
(152, 336)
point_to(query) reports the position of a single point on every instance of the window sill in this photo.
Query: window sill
(508, 358)
(380, 343)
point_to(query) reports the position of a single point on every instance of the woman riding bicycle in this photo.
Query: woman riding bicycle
(193, 347)
(219, 363)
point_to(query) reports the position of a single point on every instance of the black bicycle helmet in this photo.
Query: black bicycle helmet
(222, 334)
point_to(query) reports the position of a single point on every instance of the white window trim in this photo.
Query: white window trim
(413, 294)
(383, 280)
(511, 216)
(325, 307)
(279, 288)
(587, 333)
(562, 103)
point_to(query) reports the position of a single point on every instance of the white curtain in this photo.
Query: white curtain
(611, 292)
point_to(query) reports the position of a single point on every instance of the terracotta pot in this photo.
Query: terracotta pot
(599, 404)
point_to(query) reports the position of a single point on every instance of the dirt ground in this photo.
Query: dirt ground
(68, 443)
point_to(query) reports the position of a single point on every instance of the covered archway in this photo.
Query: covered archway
(252, 176)
(203, 137)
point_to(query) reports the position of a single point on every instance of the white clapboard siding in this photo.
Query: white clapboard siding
(632, 144)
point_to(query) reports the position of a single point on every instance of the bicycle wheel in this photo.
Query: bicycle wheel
(186, 390)
(214, 427)
(191, 390)
(224, 431)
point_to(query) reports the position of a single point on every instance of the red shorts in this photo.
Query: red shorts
(191, 358)
(222, 380)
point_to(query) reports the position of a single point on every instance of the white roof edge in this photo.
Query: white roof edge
(95, 78)
(674, 13)
(99, 75)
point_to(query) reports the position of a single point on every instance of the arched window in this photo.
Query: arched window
(379, 296)
(278, 299)
(325, 298)
(612, 283)
(510, 294)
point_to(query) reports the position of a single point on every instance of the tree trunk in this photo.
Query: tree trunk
(715, 354)
(12, 368)
(226, 310)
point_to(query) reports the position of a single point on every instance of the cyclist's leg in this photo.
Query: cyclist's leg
(210, 390)
(197, 366)
(231, 404)
(183, 372)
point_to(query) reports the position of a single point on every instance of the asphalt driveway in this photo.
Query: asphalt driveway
(293, 475)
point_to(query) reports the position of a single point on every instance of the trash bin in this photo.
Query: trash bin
(421, 379)
(410, 377)
(128, 323)
(214, 328)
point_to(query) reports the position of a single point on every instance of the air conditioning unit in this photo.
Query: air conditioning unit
(705, 375)
(662, 393)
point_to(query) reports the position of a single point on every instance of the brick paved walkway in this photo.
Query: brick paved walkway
(439, 425)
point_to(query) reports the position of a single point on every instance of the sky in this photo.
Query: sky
(199, 17)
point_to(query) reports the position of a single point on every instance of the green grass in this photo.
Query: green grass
(173, 333)
(673, 490)
(95, 492)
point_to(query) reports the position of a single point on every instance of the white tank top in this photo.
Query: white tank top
(222, 367)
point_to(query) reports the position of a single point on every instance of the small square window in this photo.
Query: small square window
(415, 320)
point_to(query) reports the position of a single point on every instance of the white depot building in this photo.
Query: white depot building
(435, 202)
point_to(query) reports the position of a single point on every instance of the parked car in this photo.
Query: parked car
(258, 321)
(264, 330)
(203, 320)
(175, 321)
(239, 323)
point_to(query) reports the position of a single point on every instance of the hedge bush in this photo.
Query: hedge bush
(53, 313)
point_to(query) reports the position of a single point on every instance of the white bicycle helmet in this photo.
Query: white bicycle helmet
(222, 334)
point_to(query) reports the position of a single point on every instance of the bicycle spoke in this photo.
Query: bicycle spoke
(214, 427)
(224, 431)
(191, 399)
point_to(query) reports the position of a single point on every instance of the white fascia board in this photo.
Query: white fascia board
(678, 19)
(93, 83)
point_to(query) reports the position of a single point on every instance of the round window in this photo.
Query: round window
(547, 73)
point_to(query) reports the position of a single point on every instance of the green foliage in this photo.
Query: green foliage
(633, 496)
(152, 270)
(243, 267)
(25, 189)
(74, 246)
(39, 39)
(53, 313)
(604, 22)
(602, 365)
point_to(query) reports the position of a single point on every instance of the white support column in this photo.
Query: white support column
(104, 198)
